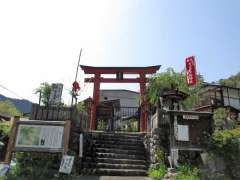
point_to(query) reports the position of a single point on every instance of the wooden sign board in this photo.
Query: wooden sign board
(182, 133)
(56, 93)
(38, 136)
(66, 164)
(190, 117)
(4, 169)
(191, 72)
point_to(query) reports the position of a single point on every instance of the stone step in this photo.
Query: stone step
(116, 161)
(116, 172)
(116, 146)
(120, 151)
(118, 135)
(117, 156)
(136, 143)
(118, 139)
(114, 166)
(113, 138)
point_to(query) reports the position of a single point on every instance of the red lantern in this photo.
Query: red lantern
(75, 86)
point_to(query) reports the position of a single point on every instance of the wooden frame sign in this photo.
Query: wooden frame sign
(38, 136)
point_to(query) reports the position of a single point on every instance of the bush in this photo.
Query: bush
(158, 174)
(7, 107)
(40, 166)
(187, 172)
(4, 132)
(158, 169)
(222, 119)
(226, 144)
(34, 166)
(159, 155)
(4, 128)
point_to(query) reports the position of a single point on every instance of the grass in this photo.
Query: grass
(159, 173)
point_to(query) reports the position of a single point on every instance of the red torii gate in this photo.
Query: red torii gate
(119, 71)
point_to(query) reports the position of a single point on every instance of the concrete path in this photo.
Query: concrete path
(113, 178)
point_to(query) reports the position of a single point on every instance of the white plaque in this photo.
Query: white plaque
(192, 117)
(40, 136)
(182, 133)
(66, 164)
(3, 169)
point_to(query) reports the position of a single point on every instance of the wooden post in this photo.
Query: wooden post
(90, 104)
(143, 115)
(12, 139)
(67, 128)
(96, 94)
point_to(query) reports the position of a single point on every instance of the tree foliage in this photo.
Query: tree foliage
(4, 133)
(226, 144)
(232, 81)
(172, 80)
(34, 166)
(80, 106)
(45, 90)
(221, 119)
(7, 107)
(4, 128)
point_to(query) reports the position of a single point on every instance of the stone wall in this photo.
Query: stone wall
(157, 147)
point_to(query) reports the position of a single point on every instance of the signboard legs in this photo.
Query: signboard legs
(11, 140)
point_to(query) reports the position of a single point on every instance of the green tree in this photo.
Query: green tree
(45, 90)
(80, 107)
(225, 144)
(222, 119)
(232, 81)
(7, 107)
(171, 79)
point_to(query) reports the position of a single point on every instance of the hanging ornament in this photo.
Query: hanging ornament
(75, 86)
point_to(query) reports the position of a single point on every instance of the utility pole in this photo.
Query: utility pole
(76, 75)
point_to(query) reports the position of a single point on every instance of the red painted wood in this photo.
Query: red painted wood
(191, 73)
(114, 80)
(142, 71)
(96, 93)
(93, 117)
(89, 103)
(114, 70)
(143, 117)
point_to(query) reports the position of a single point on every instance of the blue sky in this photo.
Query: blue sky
(40, 41)
(165, 32)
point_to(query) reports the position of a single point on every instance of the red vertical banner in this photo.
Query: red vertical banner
(191, 72)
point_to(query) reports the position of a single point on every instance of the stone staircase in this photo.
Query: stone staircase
(115, 154)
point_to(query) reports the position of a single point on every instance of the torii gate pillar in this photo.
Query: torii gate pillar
(96, 93)
(97, 79)
(143, 116)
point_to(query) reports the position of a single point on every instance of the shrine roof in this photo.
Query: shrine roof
(113, 70)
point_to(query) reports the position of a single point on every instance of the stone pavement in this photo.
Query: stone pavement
(114, 178)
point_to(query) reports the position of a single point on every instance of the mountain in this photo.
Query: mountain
(23, 105)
